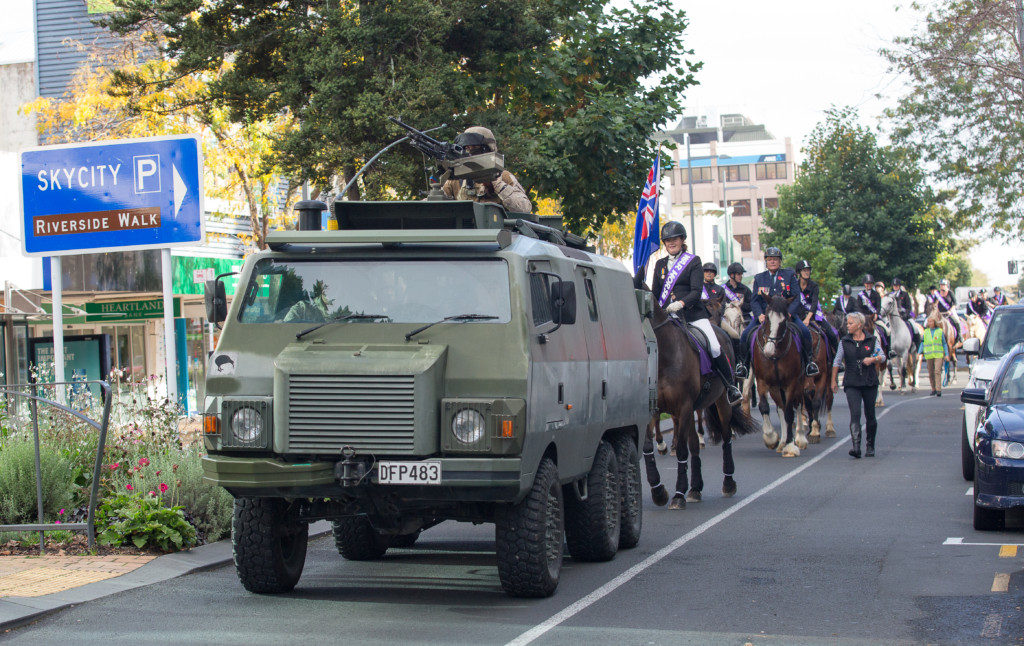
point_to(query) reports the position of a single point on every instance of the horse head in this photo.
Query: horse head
(732, 318)
(714, 308)
(888, 306)
(776, 319)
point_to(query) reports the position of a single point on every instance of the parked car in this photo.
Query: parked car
(1004, 331)
(999, 441)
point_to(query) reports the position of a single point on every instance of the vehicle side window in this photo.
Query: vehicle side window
(588, 286)
(540, 297)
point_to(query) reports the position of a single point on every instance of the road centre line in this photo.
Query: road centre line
(609, 587)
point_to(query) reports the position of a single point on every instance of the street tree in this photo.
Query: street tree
(951, 264)
(572, 88)
(807, 238)
(962, 110)
(871, 198)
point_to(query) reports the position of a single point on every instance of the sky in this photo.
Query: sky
(782, 64)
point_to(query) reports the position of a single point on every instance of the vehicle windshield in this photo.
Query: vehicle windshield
(1005, 331)
(1011, 388)
(403, 291)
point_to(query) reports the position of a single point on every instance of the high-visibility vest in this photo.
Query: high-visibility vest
(933, 343)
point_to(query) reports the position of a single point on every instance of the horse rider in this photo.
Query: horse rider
(738, 289)
(678, 286)
(945, 300)
(775, 281)
(977, 305)
(998, 298)
(809, 310)
(844, 302)
(504, 189)
(905, 306)
(868, 302)
(712, 292)
(930, 296)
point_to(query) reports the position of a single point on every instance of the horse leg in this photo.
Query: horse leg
(728, 469)
(830, 428)
(658, 492)
(684, 429)
(700, 429)
(662, 447)
(747, 388)
(813, 404)
(879, 402)
(798, 431)
(791, 449)
(768, 434)
(696, 479)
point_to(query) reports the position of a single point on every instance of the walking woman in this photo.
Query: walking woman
(859, 353)
(934, 351)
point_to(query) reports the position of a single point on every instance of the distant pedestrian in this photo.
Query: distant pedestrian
(934, 351)
(859, 353)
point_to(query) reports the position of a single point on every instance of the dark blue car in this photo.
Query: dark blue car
(999, 442)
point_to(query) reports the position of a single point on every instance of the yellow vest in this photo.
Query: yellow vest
(933, 343)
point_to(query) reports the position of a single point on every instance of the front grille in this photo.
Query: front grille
(1015, 489)
(370, 413)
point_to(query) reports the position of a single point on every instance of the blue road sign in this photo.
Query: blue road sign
(112, 195)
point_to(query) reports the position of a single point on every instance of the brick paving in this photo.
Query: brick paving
(35, 576)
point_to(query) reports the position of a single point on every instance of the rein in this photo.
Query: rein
(782, 351)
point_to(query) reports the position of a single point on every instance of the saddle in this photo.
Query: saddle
(699, 341)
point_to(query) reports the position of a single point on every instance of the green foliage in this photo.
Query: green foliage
(32, 538)
(807, 238)
(18, 482)
(568, 86)
(963, 105)
(871, 198)
(951, 264)
(143, 521)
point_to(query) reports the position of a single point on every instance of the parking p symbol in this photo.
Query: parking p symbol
(147, 173)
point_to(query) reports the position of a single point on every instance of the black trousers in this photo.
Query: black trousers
(863, 397)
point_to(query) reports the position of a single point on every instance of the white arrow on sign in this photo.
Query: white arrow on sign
(180, 189)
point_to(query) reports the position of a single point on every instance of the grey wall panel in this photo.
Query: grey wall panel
(65, 34)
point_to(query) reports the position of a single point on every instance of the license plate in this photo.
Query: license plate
(413, 473)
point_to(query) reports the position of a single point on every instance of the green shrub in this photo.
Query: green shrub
(32, 538)
(18, 482)
(143, 521)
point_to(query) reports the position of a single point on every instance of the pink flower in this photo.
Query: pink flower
(58, 522)
(129, 487)
(158, 473)
(114, 466)
(143, 462)
(61, 511)
(163, 487)
(152, 493)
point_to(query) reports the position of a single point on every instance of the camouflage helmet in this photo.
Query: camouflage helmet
(477, 136)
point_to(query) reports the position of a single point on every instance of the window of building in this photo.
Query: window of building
(699, 175)
(739, 207)
(769, 203)
(772, 170)
(734, 173)
(744, 240)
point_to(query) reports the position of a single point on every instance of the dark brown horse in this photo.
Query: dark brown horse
(779, 372)
(818, 389)
(682, 391)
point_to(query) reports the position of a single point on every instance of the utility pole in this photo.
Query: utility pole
(689, 182)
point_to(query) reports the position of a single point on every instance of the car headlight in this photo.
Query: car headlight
(246, 425)
(468, 426)
(979, 383)
(1004, 449)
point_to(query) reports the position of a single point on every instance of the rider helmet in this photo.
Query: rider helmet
(672, 229)
(847, 290)
(896, 282)
(802, 265)
(982, 291)
(970, 293)
(772, 252)
(735, 268)
(997, 289)
(712, 267)
(944, 282)
(933, 288)
(868, 279)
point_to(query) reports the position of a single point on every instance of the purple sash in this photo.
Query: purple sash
(673, 275)
(867, 301)
(999, 300)
(939, 299)
(704, 296)
(731, 294)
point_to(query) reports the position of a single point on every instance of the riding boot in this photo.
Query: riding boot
(855, 437)
(869, 449)
(741, 361)
(721, 365)
(810, 368)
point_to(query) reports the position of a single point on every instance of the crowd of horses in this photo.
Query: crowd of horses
(698, 407)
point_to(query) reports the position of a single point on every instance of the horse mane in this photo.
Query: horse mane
(779, 305)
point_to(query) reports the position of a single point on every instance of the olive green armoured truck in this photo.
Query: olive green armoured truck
(429, 361)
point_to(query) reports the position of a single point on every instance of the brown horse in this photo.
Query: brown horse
(682, 391)
(779, 372)
(817, 389)
(948, 334)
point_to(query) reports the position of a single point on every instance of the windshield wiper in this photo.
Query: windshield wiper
(303, 333)
(458, 317)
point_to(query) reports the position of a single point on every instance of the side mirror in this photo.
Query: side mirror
(975, 396)
(563, 302)
(216, 301)
(644, 302)
(972, 346)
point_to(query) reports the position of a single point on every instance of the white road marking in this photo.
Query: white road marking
(957, 540)
(970, 491)
(1001, 583)
(606, 589)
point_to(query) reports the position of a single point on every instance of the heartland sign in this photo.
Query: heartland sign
(115, 311)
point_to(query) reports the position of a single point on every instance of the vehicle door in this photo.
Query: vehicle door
(589, 322)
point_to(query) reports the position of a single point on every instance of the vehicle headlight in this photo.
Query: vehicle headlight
(246, 425)
(979, 383)
(1004, 449)
(468, 426)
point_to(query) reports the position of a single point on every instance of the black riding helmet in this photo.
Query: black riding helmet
(868, 278)
(847, 290)
(735, 268)
(672, 229)
(997, 289)
(772, 252)
(970, 293)
(710, 266)
(896, 282)
(802, 265)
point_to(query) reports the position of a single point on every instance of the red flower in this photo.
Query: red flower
(143, 462)
(129, 487)
(113, 466)
(157, 473)
(163, 487)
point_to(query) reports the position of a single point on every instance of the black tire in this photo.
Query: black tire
(966, 454)
(631, 489)
(404, 540)
(530, 536)
(357, 540)
(593, 526)
(269, 545)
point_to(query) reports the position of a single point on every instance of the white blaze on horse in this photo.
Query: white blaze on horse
(901, 343)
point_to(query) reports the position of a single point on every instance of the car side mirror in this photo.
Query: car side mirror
(563, 302)
(216, 301)
(974, 396)
(972, 346)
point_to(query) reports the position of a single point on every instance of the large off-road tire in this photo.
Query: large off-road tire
(966, 454)
(269, 544)
(404, 540)
(592, 526)
(529, 537)
(631, 490)
(357, 540)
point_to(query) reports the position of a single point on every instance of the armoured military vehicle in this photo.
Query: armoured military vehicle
(429, 361)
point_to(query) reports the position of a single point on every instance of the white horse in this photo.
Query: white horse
(901, 343)
(732, 323)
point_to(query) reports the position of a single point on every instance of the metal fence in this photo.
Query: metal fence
(13, 395)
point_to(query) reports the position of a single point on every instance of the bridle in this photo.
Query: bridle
(777, 340)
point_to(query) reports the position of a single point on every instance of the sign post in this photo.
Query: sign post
(108, 196)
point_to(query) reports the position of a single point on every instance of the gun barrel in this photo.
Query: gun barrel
(419, 134)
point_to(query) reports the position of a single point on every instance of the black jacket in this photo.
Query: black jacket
(858, 375)
(809, 302)
(686, 289)
(904, 304)
(978, 305)
(844, 305)
(748, 296)
(949, 298)
(860, 306)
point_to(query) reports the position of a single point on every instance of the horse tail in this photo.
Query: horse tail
(741, 423)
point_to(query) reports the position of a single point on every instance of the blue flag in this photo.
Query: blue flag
(645, 241)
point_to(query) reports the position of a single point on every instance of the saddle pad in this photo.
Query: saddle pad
(699, 342)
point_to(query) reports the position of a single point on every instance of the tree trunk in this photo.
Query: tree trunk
(349, 172)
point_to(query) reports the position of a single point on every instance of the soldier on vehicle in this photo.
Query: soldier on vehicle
(775, 281)
(736, 286)
(504, 189)
(844, 302)
(678, 286)
(810, 307)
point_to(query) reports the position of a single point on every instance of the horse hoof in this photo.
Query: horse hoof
(771, 441)
(659, 495)
(830, 432)
(662, 448)
(729, 487)
(791, 451)
(678, 502)
(814, 439)
(692, 496)
(801, 443)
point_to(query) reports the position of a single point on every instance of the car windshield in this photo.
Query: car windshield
(1005, 331)
(395, 291)
(1011, 388)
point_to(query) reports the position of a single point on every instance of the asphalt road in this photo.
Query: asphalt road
(816, 549)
